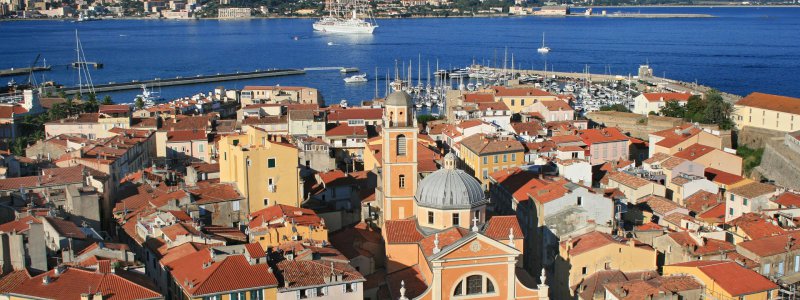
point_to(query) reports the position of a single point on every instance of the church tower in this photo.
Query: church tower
(399, 173)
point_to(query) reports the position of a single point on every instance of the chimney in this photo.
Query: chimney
(85, 296)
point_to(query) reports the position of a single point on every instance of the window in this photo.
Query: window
(505, 157)
(485, 160)
(495, 158)
(201, 148)
(579, 200)
(474, 284)
(513, 157)
(797, 263)
(512, 102)
(430, 217)
(303, 294)
(457, 217)
(485, 173)
(401, 145)
(744, 201)
(489, 286)
(730, 211)
(402, 181)
(238, 296)
(583, 271)
(225, 155)
(765, 270)
(266, 201)
(732, 196)
(270, 163)
(478, 214)
(322, 291)
(522, 102)
(350, 287)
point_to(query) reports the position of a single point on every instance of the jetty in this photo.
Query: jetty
(137, 84)
(21, 71)
(94, 64)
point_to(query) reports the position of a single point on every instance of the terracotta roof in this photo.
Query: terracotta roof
(80, 119)
(694, 151)
(115, 108)
(715, 214)
(66, 228)
(753, 189)
(200, 274)
(213, 193)
(340, 115)
(556, 105)
(277, 215)
(660, 205)
(593, 286)
(732, 277)
(402, 231)
(527, 128)
(518, 182)
(73, 282)
(641, 289)
(11, 280)
(772, 102)
(410, 278)
(308, 273)
(500, 227)
(481, 144)
(605, 135)
(254, 250)
(773, 245)
(650, 226)
(722, 176)
(479, 98)
(353, 241)
(518, 92)
(661, 97)
(672, 162)
(788, 199)
(492, 106)
(19, 225)
(446, 237)
(701, 201)
(187, 135)
(49, 177)
(676, 135)
(346, 130)
(590, 241)
(628, 180)
(756, 226)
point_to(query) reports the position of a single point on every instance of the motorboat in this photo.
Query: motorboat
(360, 78)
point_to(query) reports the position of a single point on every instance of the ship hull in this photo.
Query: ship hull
(336, 28)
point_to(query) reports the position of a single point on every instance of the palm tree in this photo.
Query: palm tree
(107, 100)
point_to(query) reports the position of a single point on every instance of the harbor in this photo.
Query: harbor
(162, 82)
(22, 71)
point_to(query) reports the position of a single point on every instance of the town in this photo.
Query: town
(534, 187)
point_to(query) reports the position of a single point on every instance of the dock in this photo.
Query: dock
(22, 71)
(642, 16)
(161, 82)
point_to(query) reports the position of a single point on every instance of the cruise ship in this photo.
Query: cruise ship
(338, 22)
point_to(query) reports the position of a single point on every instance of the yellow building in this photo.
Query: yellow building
(582, 256)
(485, 154)
(277, 94)
(520, 98)
(264, 168)
(280, 223)
(767, 111)
(725, 280)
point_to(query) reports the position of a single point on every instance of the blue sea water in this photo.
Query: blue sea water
(741, 50)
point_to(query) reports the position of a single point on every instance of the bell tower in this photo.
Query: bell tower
(399, 153)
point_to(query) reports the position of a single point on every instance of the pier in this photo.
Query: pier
(136, 84)
(21, 71)
(94, 64)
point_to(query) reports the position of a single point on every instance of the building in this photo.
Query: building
(399, 158)
(607, 144)
(485, 154)
(234, 13)
(213, 274)
(751, 197)
(263, 167)
(280, 223)
(634, 187)
(518, 99)
(646, 103)
(326, 278)
(683, 246)
(726, 279)
(101, 281)
(674, 140)
(777, 257)
(584, 255)
(465, 205)
(710, 157)
(278, 94)
(552, 110)
(765, 111)
(552, 11)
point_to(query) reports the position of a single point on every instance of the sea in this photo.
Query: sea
(740, 50)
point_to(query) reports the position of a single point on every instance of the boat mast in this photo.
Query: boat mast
(419, 70)
(78, 54)
(376, 82)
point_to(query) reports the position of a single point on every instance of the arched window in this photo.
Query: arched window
(474, 285)
(401, 145)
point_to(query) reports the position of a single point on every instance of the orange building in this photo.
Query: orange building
(399, 172)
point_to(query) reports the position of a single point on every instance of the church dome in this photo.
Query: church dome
(400, 98)
(450, 188)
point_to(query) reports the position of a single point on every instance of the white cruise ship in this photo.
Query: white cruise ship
(338, 22)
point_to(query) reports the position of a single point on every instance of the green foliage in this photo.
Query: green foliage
(107, 100)
(673, 109)
(615, 107)
(424, 119)
(91, 104)
(751, 158)
(709, 109)
(31, 128)
(139, 103)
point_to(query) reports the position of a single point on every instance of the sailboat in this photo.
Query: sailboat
(338, 22)
(543, 49)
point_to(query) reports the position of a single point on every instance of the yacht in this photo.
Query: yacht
(149, 97)
(356, 78)
(543, 49)
(338, 21)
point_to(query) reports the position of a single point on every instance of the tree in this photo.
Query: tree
(718, 111)
(107, 100)
(615, 107)
(139, 103)
(673, 109)
(91, 105)
(695, 109)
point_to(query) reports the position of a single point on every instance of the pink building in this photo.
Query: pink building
(607, 144)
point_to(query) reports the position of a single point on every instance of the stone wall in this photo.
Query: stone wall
(638, 126)
(780, 164)
(755, 138)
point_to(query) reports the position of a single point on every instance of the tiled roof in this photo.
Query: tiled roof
(714, 214)
(73, 282)
(527, 128)
(187, 135)
(722, 176)
(346, 130)
(756, 226)
(402, 231)
(446, 237)
(660, 205)
(410, 278)
(481, 144)
(672, 162)
(19, 225)
(500, 227)
(772, 102)
(483, 106)
(254, 250)
(557, 105)
(593, 286)
(66, 228)
(307, 273)
(518, 182)
(80, 119)
(694, 151)
(114, 108)
(660, 97)
(216, 192)
(788, 199)
(753, 189)
(49, 177)
(650, 226)
(590, 241)
(271, 215)
(640, 289)
(353, 241)
(199, 274)
(701, 201)
(340, 115)
(773, 245)
(732, 277)
(676, 135)
(628, 180)
(11, 280)
(479, 98)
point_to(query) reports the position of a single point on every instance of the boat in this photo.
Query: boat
(330, 44)
(543, 49)
(338, 22)
(343, 103)
(85, 17)
(356, 78)
(149, 97)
